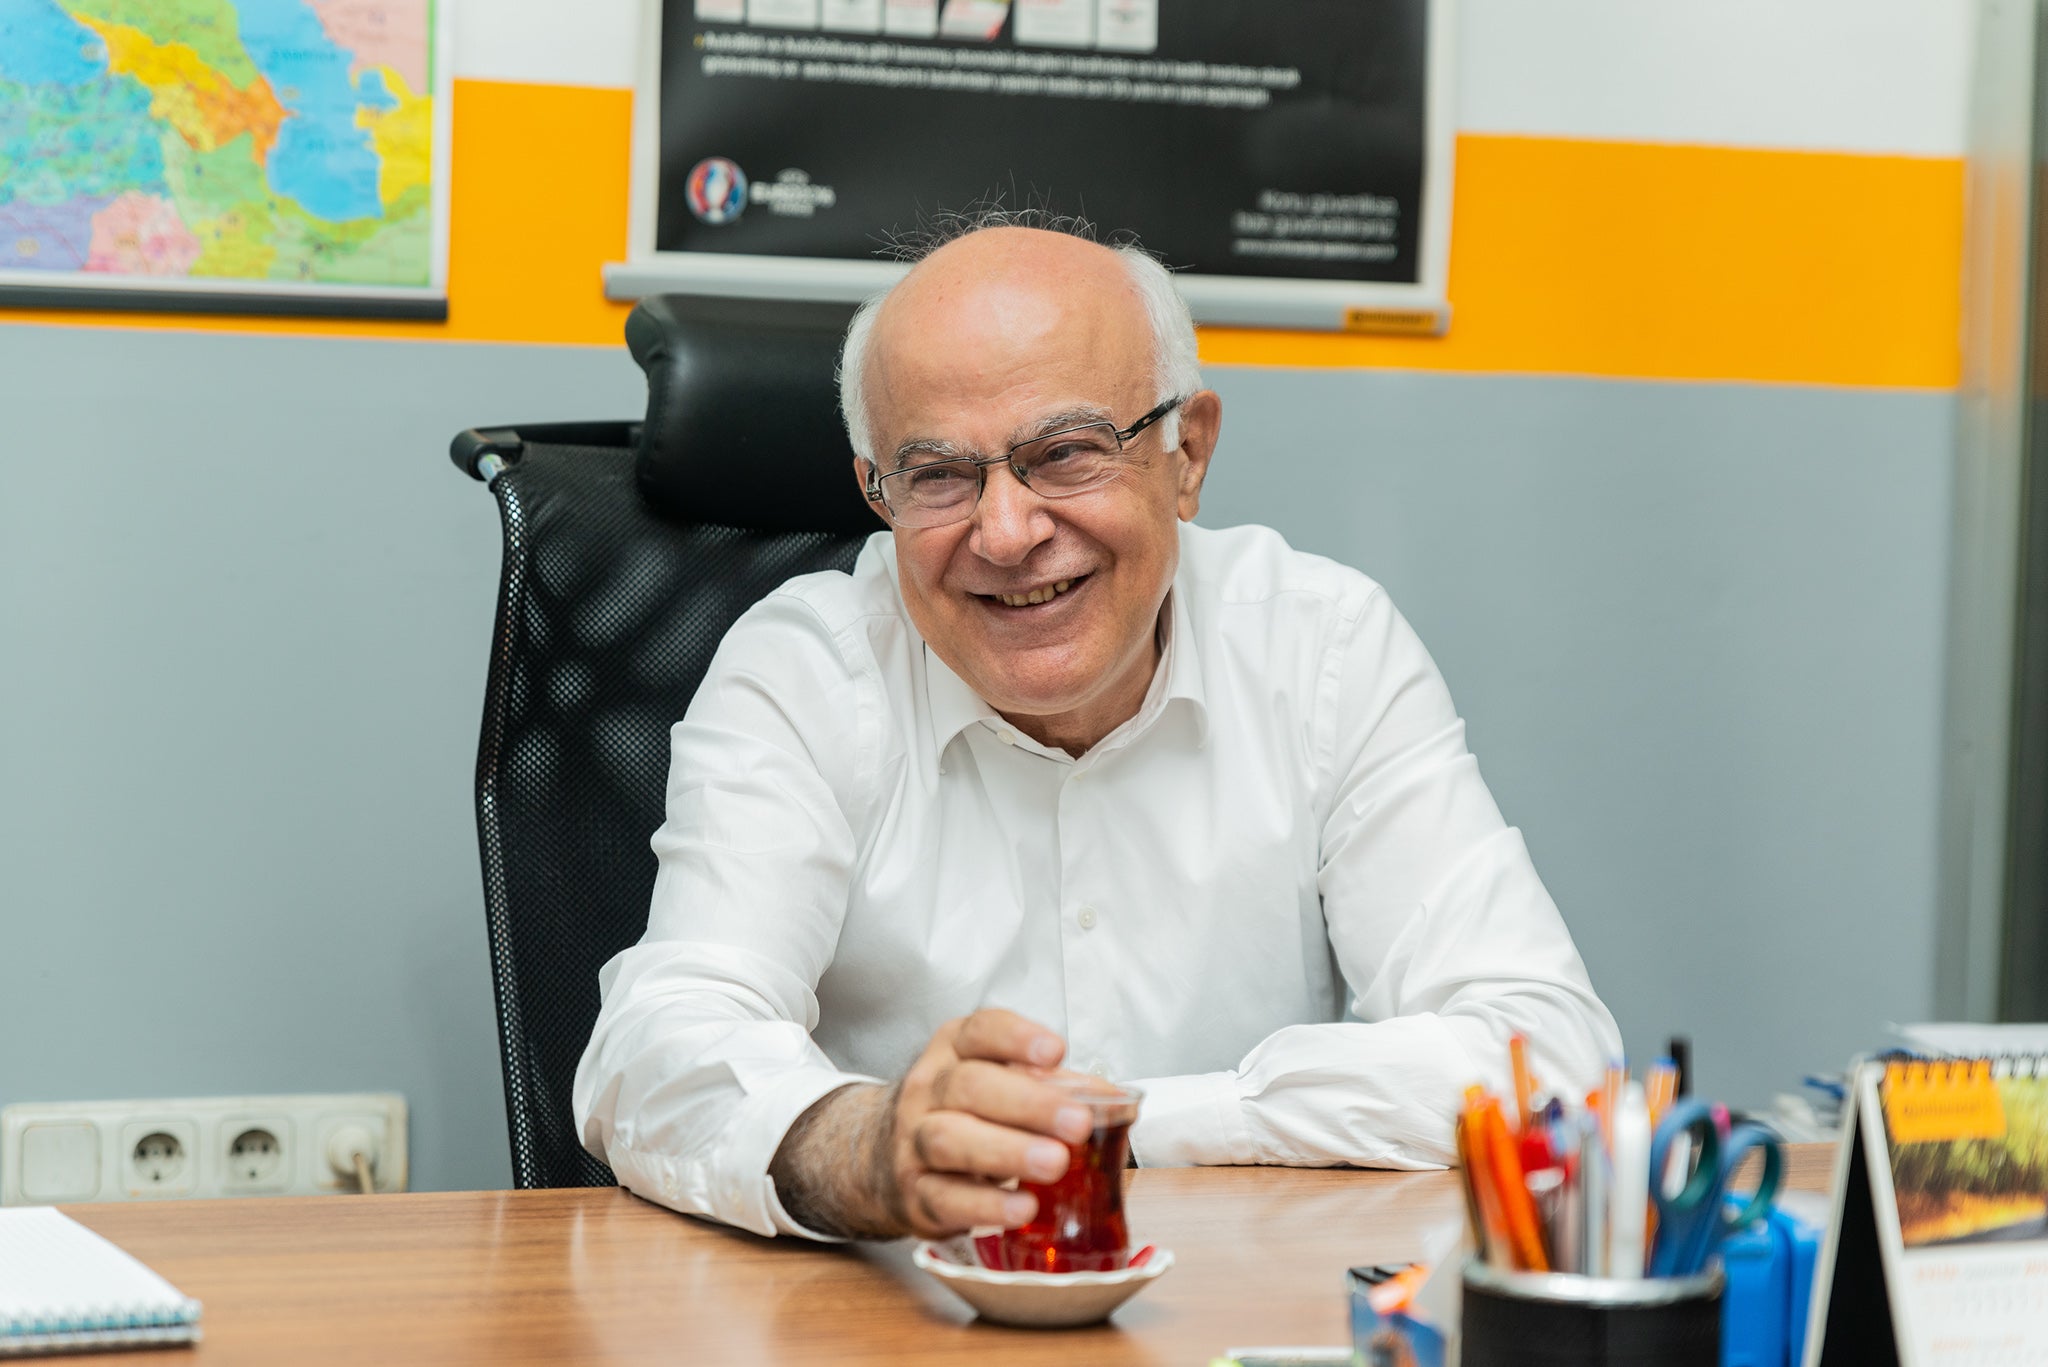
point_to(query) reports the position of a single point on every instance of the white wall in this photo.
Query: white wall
(1837, 75)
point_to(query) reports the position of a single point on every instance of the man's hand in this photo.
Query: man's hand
(929, 1155)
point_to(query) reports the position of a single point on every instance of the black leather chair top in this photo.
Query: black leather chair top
(742, 422)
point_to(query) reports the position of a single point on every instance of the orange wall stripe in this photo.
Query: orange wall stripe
(1657, 261)
(1628, 260)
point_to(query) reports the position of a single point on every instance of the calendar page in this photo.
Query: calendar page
(1959, 1171)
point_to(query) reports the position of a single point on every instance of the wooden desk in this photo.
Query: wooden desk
(597, 1275)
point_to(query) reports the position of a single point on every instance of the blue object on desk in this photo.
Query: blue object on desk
(1692, 1225)
(1769, 1270)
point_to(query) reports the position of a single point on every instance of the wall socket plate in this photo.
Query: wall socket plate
(198, 1146)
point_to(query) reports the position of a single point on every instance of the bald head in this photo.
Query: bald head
(993, 287)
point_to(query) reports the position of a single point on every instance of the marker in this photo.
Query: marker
(1629, 1201)
(1681, 1059)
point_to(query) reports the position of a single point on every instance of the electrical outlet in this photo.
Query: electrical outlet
(160, 1157)
(255, 1161)
(200, 1146)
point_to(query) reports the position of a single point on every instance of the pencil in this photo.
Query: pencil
(1518, 1060)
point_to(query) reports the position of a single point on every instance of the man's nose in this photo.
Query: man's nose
(1010, 521)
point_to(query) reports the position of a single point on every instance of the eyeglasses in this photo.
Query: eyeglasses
(1056, 465)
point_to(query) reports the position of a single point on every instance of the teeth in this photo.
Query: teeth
(1044, 595)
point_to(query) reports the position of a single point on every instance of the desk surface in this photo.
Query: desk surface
(597, 1275)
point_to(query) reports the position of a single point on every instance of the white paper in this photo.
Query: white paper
(783, 13)
(1127, 25)
(1056, 23)
(1965, 1039)
(852, 16)
(722, 11)
(54, 1269)
(910, 18)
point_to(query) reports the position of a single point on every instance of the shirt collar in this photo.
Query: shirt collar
(953, 706)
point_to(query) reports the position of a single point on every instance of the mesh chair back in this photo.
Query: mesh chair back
(608, 615)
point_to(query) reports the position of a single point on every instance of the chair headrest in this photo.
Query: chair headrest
(743, 421)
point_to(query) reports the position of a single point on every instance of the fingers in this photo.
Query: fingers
(1012, 1097)
(976, 1112)
(1006, 1037)
(955, 1143)
(939, 1204)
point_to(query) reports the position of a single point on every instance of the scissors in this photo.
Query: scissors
(1692, 1224)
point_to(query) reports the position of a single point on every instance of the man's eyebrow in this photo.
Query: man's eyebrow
(919, 450)
(1059, 422)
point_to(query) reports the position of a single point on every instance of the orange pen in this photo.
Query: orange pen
(1525, 1236)
(1485, 1187)
(1474, 1222)
(1660, 1088)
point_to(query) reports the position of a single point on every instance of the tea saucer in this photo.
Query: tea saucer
(1035, 1300)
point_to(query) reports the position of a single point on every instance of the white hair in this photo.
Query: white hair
(1175, 368)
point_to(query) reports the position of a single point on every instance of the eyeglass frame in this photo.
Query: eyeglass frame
(981, 464)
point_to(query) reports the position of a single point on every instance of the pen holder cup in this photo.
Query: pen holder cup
(1551, 1319)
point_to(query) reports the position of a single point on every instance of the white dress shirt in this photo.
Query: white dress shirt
(1280, 898)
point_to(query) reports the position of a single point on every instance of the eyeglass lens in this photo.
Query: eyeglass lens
(1056, 465)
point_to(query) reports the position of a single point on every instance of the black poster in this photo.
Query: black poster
(1276, 139)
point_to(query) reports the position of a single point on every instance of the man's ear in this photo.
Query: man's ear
(860, 479)
(1201, 423)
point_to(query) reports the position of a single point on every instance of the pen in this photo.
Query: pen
(1546, 1193)
(1629, 1201)
(1473, 1221)
(1568, 1232)
(1519, 1210)
(1661, 1088)
(1593, 1186)
(1485, 1190)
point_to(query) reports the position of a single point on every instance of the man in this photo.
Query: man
(1053, 778)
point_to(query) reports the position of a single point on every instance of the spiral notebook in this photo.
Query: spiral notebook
(64, 1289)
(1937, 1255)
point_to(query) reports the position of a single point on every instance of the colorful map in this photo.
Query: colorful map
(284, 143)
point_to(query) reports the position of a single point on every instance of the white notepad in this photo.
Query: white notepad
(65, 1289)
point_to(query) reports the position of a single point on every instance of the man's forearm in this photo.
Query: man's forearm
(832, 1170)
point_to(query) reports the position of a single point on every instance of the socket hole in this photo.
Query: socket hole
(159, 1157)
(255, 1155)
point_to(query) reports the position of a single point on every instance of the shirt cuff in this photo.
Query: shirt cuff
(745, 1194)
(1189, 1120)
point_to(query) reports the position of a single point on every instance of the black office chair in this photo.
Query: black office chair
(630, 548)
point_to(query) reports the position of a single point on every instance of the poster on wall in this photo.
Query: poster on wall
(247, 156)
(1290, 159)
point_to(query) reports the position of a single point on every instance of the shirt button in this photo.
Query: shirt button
(1006, 737)
(1087, 918)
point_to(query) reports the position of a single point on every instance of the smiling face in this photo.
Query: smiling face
(1047, 608)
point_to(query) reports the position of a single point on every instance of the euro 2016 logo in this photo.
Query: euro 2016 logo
(717, 190)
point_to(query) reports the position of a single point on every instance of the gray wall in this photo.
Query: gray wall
(245, 609)
(245, 604)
